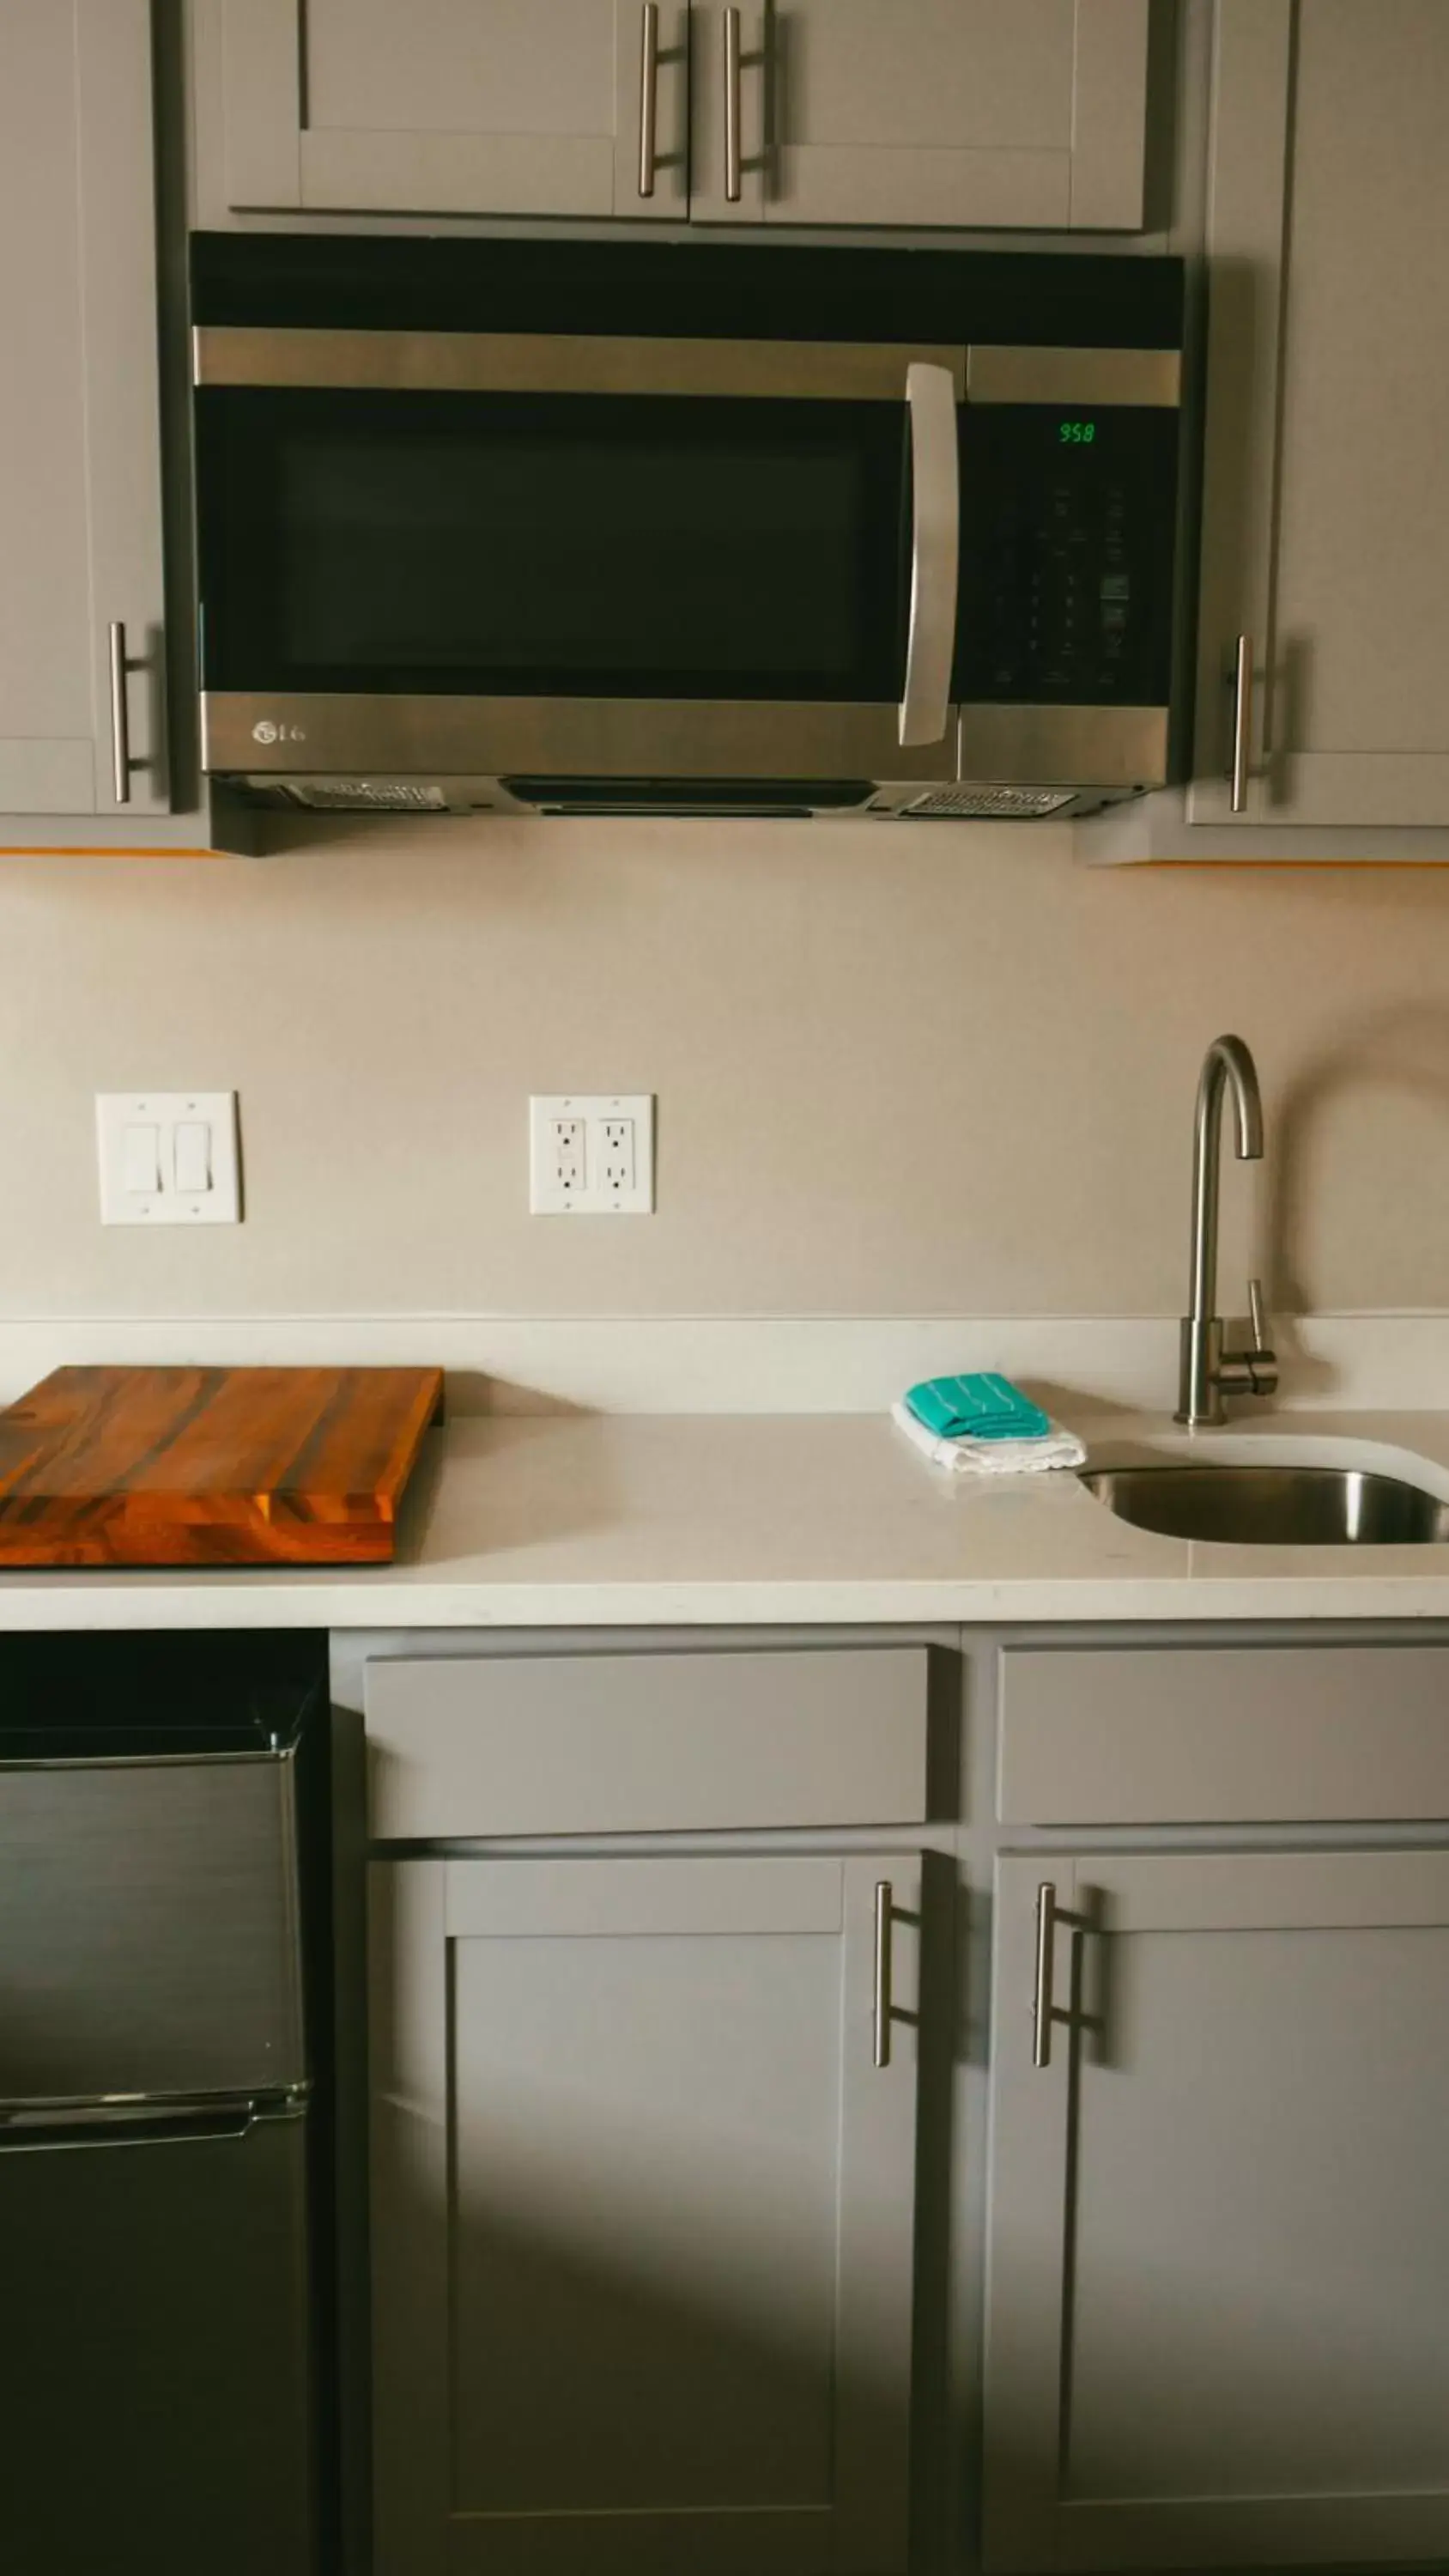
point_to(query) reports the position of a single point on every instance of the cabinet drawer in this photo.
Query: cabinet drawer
(1138, 1735)
(601, 1744)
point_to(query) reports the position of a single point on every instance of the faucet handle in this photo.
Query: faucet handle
(1259, 1318)
(1255, 1370)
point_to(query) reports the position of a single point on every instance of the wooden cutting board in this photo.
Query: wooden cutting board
(211, 1466)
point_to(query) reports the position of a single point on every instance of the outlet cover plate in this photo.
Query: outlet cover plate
(617, 1174)
(150, 1142)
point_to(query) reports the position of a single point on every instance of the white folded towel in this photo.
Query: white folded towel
(1055, 1448)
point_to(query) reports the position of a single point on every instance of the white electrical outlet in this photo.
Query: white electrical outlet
(591, 1153)
(617, 1160)
(564, 1162)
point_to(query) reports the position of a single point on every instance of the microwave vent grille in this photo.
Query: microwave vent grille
(973, 802)
(365, 796)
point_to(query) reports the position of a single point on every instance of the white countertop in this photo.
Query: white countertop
(582, 1520)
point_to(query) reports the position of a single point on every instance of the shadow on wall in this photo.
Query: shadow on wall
(1400, 1051)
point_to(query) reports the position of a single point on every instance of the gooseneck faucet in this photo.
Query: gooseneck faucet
(1207, 1372)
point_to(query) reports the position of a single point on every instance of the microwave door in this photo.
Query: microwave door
(475, 553)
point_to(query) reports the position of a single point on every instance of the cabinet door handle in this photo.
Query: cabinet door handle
(732, 104)
(883, 1906)
(935, 551)
(1242, 685)
(120, 718)
(648, 94)
(1046, 1936)
(1044, 2009)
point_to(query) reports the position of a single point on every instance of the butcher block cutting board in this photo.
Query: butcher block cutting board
(211, 1466)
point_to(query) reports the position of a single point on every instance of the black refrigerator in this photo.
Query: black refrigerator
(165, 2363)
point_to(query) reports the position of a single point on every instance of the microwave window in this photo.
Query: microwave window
(546, 545)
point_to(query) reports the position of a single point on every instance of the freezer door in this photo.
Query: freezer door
(156, 2368)
(149, 1928)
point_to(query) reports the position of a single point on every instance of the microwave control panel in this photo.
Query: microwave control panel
(1067, 534)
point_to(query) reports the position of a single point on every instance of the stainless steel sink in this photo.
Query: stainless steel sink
(1272, 1506)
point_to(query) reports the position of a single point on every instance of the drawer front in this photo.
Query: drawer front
(602, 1744)
(1161, 1735)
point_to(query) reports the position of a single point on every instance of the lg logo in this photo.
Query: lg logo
(266, 731)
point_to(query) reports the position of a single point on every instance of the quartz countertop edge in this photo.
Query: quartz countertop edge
(586, 1520)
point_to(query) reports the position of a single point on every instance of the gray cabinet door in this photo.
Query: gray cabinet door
(522, 107)
(926, 112)
(1328, 388)
(642, 2217)
(1219, 2235)
(80, 475)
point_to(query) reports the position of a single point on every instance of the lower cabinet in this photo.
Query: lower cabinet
(1219, 2227)
(643, 2214)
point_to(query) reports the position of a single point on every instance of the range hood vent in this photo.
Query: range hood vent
(365, 795)
(776, 798)
(721, 799)
(979, 802)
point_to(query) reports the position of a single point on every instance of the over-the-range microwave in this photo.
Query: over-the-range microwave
(590, 527)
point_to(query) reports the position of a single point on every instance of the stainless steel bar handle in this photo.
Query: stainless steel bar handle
(648, 94)
(1046, 1936)
(143, 2125)
(883, 1904)
(120, 718)
(935, 551)
(1242, 721)
(732, 105)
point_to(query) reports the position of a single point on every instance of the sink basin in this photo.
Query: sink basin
(1273, 1506)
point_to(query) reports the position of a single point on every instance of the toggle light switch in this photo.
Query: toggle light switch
(141, 1156)
(193, 1157)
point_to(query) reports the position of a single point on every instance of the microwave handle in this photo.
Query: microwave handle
(935, 551)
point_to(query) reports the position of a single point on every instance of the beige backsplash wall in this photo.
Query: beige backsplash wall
(901, 1070)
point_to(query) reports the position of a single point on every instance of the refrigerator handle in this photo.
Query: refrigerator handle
(142, 2124)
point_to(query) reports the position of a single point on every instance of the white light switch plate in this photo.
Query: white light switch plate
(591, 1153)
(168, 1157)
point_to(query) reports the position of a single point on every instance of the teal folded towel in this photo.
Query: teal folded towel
(981, 1406)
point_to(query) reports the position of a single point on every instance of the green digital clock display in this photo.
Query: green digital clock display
(1076, 433)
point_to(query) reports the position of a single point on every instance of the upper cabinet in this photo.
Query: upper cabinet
(519, 107)
(82, 672)
(922, 112)
(1324, 548)
(859, 112)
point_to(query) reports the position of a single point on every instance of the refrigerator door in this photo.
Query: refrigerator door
(149, 1937)
(156, 2369)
